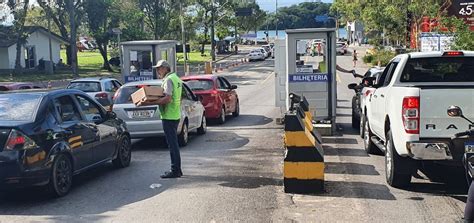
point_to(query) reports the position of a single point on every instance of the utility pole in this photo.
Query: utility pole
(183, 42)
(72, 40)
(213, 53)
(276, 18)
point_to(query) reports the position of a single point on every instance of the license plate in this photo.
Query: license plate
(141, 114)
(469, 147)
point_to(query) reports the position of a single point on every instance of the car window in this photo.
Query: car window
(18, 107)
(124, 96)
(66, 109)
(108, 86)
(185, 94)
(189, 93)
(226, 82)
(86, 86)
(389, 76)
(381, 80)
(200, 85)
(117, 84)
(220, 84)
(90, 110)
(439, 69)
(223, 84)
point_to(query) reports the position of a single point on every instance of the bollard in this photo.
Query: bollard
(303, 167)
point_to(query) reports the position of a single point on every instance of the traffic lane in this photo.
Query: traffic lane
(356, 189)
(223, 170)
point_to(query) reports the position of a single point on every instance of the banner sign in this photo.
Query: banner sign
(305, 77)
(463, 9)
(304, 69)
(138, 78)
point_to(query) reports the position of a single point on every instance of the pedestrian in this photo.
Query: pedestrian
(469, 209)
(354, 58)
(170, 113)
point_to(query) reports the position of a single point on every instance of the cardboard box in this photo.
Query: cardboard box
(147, 95)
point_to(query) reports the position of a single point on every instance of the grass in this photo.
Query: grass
(90, 65)
(194, 58)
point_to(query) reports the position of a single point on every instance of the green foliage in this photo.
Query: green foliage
(368, 58)
(299, 16)
(463, 37)
(382, 56)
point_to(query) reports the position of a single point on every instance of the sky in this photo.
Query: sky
(269, 5)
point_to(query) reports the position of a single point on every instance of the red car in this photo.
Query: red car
(218, 95)
(10, 86)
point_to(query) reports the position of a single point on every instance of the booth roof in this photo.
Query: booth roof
(149, 42)
(310, 30)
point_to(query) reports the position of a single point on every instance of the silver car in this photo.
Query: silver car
(144, 121)
(100, 88)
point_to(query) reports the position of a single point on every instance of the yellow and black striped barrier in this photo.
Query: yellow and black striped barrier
(303, 168)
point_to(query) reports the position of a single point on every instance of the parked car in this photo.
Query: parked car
(9, 86)
(362, 91)
(406, 114)
(101, 88)
(341, 48)
(268, 48)
(264, 51)
(256, 55)
(144, 121)
(219, 96)
(50, 136)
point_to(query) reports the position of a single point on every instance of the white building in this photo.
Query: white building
(355, 32)
(35, 49)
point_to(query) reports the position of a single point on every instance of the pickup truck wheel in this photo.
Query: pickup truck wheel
(361, 126)
(397, 168)
(369, 146)
(355, 121)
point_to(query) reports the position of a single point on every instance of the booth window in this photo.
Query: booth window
(140, 63)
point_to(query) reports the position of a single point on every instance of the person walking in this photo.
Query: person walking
(170, 114)
(354, 58)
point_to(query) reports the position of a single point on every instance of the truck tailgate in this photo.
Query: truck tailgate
(434, 120)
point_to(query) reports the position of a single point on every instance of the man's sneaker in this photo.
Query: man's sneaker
(172, 174)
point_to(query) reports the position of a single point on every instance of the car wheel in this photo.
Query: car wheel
(183, 137)
(221, 119)
(398, 169)
(236, 113)
(203, 128)
(60, 181)
(124, 153)
(369, 146)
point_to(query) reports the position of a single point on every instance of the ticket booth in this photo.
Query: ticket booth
(305, 64)
(139, 57)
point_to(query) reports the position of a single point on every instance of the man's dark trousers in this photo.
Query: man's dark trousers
(171, 128)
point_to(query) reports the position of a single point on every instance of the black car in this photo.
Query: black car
(47, 137)
(370, 75)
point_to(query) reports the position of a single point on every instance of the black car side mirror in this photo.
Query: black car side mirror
(352, 86)
(110, 115)
(233, 87)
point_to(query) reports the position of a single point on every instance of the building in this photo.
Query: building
(355, 32)
(35, 49)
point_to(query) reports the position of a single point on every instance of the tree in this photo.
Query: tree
(58, 11)
(158, 15)
(463, 36)
(102, 16)
(253, 22)
(19, 10)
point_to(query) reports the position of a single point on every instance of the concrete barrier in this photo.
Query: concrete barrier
(303, 167)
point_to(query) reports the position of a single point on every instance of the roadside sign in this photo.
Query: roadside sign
(463, 9)
(304, 69)
(435, 42)
(243, 12)
(305, 77)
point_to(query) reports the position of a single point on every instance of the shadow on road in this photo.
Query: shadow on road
(350, 168)
(242, 120)
(330, 151)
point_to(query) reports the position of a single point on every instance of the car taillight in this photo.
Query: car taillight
(453, 53)
(101, 95)
(411, 114)
(214, 92)
(368, 92)
(18, 141)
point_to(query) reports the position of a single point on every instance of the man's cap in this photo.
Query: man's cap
(161, 63)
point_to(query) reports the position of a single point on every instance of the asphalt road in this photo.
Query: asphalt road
(234, 174)
(356, 190)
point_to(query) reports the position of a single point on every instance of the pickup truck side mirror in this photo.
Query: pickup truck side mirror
(352, 86)
(454, 111)
(369, 81)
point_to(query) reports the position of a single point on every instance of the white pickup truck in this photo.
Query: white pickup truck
(406, 116)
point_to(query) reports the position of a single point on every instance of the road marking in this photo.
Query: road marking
(268, 77)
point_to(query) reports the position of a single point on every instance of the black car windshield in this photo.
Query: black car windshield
(124, 96)
(199, 85)
(439, 69)
(18, 107)
(86, 86)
